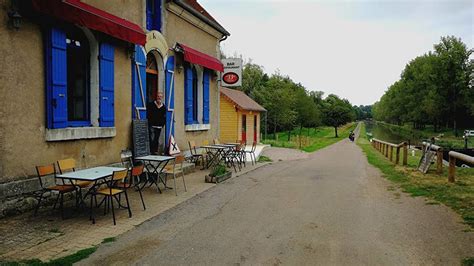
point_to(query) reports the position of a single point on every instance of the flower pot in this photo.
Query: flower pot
(217, 179)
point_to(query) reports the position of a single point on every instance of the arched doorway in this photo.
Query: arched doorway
(152, 77)
(154, 84)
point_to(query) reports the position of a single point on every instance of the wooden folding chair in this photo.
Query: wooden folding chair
(61, 189)
(68, 165)
(111, 191)
(133, 181)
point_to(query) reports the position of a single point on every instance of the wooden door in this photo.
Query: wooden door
(255, 128)
(244, 128)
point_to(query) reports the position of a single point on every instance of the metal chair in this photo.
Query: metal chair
(133, 181)
(111, 191)
(68, 165)
(194, 153)
(44, 171)
(252, 153)
(177, 168)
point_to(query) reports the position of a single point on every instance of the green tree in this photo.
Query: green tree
(337, 112)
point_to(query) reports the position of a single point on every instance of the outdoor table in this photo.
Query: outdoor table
(232, 143)
(95, 175)
(231, 147)
(157, 170)
(216, 154)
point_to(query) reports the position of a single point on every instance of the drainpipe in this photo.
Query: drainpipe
(219, 91)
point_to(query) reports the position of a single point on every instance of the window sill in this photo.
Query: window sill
(197, 127)
(73, 133)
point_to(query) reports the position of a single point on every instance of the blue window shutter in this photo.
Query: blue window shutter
(139, 94)
(153, 15)
(169, 99)
(188, 95)
(106, 85)
(205, 96)
(56, 68)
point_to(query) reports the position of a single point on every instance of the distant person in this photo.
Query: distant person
(351, 136)
(156, 115)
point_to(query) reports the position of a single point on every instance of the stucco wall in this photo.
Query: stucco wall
(181, 31)
(22, 113)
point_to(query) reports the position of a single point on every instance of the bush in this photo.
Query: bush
(218, 170)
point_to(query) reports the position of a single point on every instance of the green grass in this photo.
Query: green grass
(312, 139)
(108, 240)
(68, 260)
(459, 195)
(468, 261)
(263, 159)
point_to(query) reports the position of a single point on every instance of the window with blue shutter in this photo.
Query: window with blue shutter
(188, 95)
(153, 15)
(56, 69)
(169, 99)
(139, 97)
(205, 96)
(106, 85)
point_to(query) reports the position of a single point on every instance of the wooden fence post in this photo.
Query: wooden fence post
(439, 168)
(386, 150)
(452, 169)
(405, 154)
(397, 155)
(391, 153)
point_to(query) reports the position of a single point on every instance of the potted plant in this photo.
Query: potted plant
(218, 174)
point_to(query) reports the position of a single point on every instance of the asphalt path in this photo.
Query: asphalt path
(326, 208)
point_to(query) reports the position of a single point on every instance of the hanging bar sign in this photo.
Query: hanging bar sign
(232, 75)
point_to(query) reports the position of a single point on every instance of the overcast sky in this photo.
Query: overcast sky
(354, 49)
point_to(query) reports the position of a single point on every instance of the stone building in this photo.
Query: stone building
(71, 73)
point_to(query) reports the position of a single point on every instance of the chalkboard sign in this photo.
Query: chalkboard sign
(425, 161)
(141, 141)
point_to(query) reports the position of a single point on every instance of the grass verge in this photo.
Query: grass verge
(67, 260)
(459, 195)
(264, 158)
(311, 139)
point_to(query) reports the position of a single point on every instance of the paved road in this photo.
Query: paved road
(327, 208)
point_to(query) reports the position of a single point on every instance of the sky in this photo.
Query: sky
(354, 49)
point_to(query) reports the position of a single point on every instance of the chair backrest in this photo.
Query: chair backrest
(137, 170)
(120, 175)
(179, 159)
(66, 165)
(126, 158)
(192, 147)
(44, 170)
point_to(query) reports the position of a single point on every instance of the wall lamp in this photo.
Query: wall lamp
(14, 17)
(179, 68)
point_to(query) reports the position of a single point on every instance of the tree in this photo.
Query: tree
(337, 112)
(455, 71)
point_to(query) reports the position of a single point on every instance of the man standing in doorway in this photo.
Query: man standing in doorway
(156, 115)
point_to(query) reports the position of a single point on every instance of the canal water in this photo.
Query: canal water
(386, 133)
(394, 135)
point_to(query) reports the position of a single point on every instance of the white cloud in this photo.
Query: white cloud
(353, 49)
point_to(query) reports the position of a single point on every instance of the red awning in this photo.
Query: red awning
(196, 57)
(93, 18)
